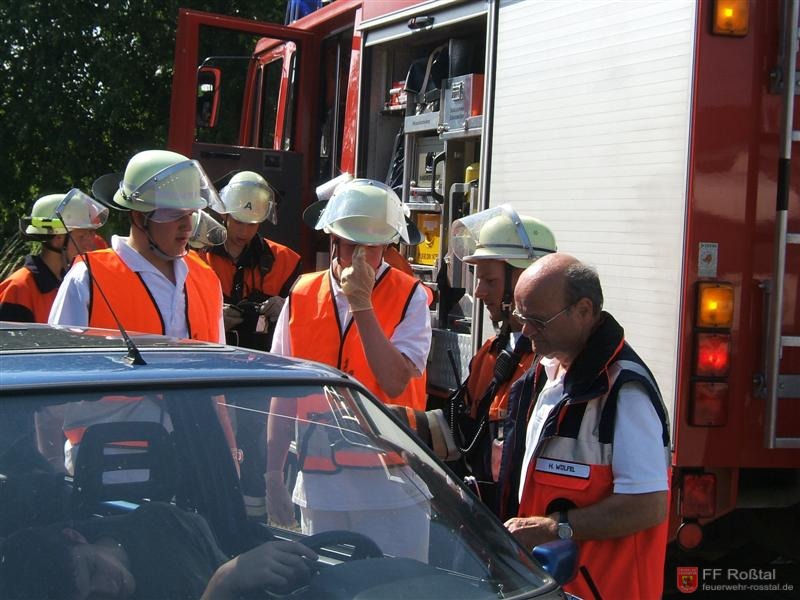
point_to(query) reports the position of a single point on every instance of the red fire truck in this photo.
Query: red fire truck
(654, 138)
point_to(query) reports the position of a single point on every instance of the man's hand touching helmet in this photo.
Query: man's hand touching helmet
(358, 280)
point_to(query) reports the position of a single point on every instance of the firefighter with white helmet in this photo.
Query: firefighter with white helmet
(27, 294)
(256, 273)
(149, 280)
(371, 321)
(501, 244)
(362, 218)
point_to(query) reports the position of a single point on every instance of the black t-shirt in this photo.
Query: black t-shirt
(172, 553)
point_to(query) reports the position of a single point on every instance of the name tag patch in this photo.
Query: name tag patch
(562, 467)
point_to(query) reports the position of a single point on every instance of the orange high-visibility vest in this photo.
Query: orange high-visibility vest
(481, 373)
(273, 280)
(134, 305)
(328, 440)
(316, 334)
(572, 467)
(28, 293)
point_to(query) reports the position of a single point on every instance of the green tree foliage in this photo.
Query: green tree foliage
(86, 84)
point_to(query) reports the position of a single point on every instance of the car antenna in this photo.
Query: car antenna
(134, 357)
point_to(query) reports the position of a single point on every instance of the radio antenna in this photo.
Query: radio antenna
(134, 357)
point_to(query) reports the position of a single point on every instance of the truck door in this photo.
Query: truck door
(245, 97)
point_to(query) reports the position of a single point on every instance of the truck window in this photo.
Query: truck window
(273, 95)
(229, 54)
(333, 96)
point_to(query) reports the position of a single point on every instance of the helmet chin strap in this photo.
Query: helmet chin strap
(62, 251)
(503, 332)
(154, 248)
(334, 252)
(507, 303)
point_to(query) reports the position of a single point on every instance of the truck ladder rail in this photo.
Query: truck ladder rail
(776, 382)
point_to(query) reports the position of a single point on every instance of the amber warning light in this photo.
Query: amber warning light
(731, 17)
(715, 305)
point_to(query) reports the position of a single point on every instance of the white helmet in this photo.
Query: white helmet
(365, 212)
(248, 198)
(501, 234)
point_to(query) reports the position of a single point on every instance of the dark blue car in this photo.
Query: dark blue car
(88, 436)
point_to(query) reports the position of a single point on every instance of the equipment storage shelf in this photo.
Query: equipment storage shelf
(437, 54)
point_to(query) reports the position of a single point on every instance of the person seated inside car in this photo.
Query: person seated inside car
(157, 551)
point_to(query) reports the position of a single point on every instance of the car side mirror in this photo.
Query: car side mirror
(208, 83)
(559, 558)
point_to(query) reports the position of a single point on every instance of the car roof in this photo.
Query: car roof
(35, 355)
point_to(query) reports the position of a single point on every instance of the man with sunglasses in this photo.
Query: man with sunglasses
(149, 280)
(500, 244)
(596, 464)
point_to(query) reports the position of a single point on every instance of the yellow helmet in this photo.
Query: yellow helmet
(501, 234)
(76, 209)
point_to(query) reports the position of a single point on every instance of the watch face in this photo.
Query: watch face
(564, 531)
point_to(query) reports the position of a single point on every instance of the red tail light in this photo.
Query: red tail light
(698, 495)
(709, 406)
(713, 354)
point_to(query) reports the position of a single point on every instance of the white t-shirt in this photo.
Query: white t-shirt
(638, 463)
(71, 305)
(412, 337)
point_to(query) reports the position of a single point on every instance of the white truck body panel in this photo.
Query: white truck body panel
(591, 135)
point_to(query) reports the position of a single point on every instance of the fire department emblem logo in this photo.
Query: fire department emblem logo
(687, 579)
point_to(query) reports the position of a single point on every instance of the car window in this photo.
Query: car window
(258, 463)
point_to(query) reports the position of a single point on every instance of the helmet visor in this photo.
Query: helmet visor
(207, 231)
(248, 202)
(183, 185)
(168, 215)
(79, 211)
(364, 217)
(474, 237)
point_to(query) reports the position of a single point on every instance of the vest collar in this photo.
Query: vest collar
(256, 253)
(44, 278)
(587, 377)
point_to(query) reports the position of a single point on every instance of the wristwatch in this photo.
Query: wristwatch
(564, 528)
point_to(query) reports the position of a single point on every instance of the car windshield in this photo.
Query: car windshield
(87, 456)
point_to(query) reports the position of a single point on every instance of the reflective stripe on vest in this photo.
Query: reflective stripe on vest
(316, 333)
(329, 437)
(80, 416)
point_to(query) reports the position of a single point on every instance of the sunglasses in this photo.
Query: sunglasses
(539, 324)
